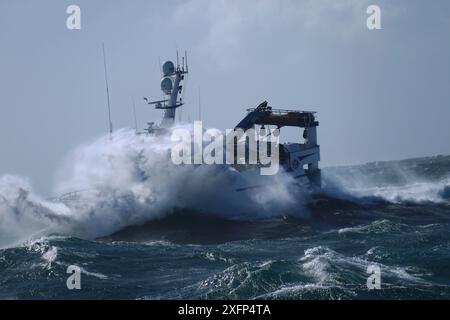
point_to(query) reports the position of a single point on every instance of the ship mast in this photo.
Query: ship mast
(171, 86)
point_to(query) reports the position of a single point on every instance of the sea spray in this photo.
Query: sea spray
(110, 184)
(325, 257)
(407, 181)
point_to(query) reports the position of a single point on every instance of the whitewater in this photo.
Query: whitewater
(135, 221)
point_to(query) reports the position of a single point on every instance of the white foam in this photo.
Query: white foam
(130, 179)
(357, 187)
(41, 246)
(326, 266)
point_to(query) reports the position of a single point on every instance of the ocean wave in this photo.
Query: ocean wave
(376, 227)
(128, 180)
(48, 253)
(328, 267)
(412, 189)
(320, 273)
(332, 275)
(247, 280)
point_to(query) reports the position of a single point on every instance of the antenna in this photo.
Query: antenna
(199, 105)
(107, 92)
(185, 54)
(160, 67)
(134, 114)
(178, 60)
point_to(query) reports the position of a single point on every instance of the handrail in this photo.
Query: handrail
(281, 111)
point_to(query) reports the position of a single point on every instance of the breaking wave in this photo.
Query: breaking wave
(129, 179)
(393, 182)
(320, 273)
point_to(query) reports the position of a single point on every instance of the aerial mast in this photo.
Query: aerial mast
(107, 92)
(171, 86)
(134, 114)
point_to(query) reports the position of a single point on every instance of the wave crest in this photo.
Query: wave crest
(130, 179)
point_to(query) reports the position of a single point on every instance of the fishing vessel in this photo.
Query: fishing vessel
(299, 159)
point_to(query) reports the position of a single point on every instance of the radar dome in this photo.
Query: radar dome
(168, 68)
(166, 85)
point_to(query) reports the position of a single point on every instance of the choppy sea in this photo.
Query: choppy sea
(140, 232)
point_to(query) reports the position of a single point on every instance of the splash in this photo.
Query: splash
(128, 179)
(24, 215)
(395, 182)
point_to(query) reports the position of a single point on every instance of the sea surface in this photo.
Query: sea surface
(392, 215)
